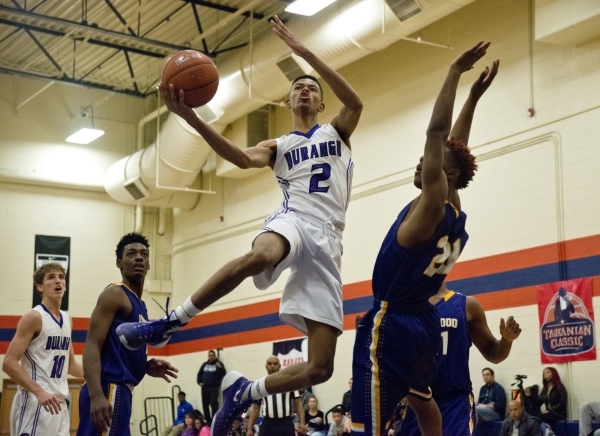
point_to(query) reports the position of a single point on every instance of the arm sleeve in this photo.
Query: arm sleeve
(199, 376)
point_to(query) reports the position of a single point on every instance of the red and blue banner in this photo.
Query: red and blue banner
(566, 321)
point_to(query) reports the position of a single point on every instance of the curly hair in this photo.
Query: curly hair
(464, 159)
(130, 238)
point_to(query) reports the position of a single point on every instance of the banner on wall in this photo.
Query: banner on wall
(566, 321)
(292, 351)
(52, 249)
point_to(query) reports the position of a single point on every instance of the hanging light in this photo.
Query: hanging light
(86, 135)
(307, 7)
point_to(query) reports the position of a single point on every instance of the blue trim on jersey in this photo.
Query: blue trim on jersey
(286, 194)
(36, 419)
(60, 323)
(33, 365)
(307, 134)
(349, 169)
(23, 409)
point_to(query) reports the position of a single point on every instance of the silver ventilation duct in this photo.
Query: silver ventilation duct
(340, 37)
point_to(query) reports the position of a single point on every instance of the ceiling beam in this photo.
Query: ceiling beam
(222, 8)
(124, 40)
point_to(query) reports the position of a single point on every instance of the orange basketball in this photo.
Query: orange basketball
(195, 73)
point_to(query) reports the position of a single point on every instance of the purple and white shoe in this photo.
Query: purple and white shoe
(233, 388)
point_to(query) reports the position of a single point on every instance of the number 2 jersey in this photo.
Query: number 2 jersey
(314, 171)
(408, 277)
(46, 359)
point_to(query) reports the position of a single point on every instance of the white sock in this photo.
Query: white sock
(186, 311)
(256, 390)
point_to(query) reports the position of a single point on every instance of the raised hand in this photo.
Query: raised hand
(288, 37)
(174, 101)
(484, 80)
(510, 329)
(466, 60)
(161, 368)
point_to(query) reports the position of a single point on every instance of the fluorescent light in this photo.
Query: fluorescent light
(85, 136)
(308, 7)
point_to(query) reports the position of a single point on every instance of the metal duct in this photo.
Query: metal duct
(342, 36)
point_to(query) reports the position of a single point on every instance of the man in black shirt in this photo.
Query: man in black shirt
(347, 398)
(209, 379)
(278, 419)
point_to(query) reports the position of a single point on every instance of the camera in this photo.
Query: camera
(519, 380)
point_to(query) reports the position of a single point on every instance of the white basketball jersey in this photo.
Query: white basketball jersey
(314, 171)
(46, 359)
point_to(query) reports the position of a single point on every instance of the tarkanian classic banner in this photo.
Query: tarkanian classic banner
(52, 249)
(566, 321)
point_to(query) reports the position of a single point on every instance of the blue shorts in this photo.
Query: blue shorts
(119, 396)
(458, 416)
(394, 355)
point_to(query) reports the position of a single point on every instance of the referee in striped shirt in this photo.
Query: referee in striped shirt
(278, 419)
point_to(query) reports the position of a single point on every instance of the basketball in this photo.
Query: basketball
(194, 73)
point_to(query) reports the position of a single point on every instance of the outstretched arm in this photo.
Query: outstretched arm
(346, 121)
(462, 127)
(253, 157)
(422, 222)
(493, 350)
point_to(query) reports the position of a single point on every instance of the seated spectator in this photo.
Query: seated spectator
(237, 429)
(553, 397)
(519, 422)
(178, 424)
(188, 426)
(337, 426)
(314, 419)
(306, 395)
(201, 426)
(589, 412)
(347, 398)
(491, 405)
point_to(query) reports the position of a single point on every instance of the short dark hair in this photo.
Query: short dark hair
(313, 78)
(130, 238)
(488, 369)
(181, 393)
(465, 161)
(337, 410)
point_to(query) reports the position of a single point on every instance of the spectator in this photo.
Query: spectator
(314, 418)
(209, 379)
(337, 426)
(553, 396)
(491, 404)
(202, 428)
(237, 429)
(589, 412)
(306, 395)
(519, 422)
(179, 423)
(277, 412)
(189, 428)
(347, 398)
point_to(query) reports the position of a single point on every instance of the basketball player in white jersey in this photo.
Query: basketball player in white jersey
(313, 166)
(43, 346)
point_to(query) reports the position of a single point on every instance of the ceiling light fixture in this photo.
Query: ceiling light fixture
(307, 7)
(86, 135)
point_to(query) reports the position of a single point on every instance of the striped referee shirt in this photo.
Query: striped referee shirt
(279, 405)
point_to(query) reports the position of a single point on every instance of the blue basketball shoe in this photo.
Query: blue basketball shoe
(135, 335)
(235, 401)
